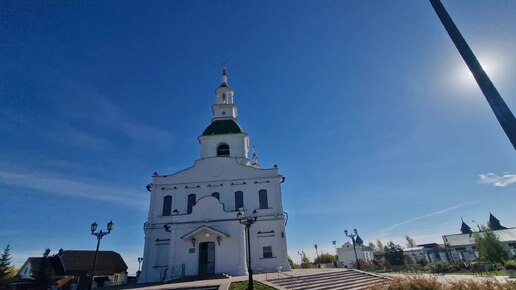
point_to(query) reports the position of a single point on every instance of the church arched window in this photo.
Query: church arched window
(262, 195)
(216, 195)
(239, 200)
(191, 202)
(167, 205)
(223, 150)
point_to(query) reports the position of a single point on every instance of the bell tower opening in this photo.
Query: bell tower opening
(223, 150)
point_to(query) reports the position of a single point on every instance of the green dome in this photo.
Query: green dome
(219, 127)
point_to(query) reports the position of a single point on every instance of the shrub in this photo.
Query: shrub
(480, 267)
(420, 283)
(325, 258)
(410, 283)
(488, 284)
(440, 267)
(510, 265)
(458, 266)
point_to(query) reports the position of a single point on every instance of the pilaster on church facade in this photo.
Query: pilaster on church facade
(193, 213)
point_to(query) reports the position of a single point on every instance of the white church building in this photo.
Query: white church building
(192, 225)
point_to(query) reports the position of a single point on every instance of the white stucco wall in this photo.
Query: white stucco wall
(346, 255)
(224, 175)
(238, 145)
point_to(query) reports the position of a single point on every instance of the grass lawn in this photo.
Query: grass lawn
(243, 286)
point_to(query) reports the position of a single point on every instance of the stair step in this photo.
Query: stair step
(337, 280)
(343, 282)
(345, 273)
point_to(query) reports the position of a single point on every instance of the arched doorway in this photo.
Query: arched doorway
(206, 258)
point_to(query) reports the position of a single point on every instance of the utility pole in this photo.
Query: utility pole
(498, 105)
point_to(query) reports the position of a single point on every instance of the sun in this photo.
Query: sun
(490, 65)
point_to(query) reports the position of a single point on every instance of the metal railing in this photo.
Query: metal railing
(173, 273)
(292, 280)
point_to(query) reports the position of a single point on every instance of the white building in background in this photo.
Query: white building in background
(461, 247)
(429, 253)
(192, 222)
(346, 254)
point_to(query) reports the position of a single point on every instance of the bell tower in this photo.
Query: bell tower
(224, 137)
(224, 107)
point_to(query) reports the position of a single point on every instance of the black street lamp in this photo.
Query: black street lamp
(140, 260)
(352, 236)
(99, 236)
(247, 222)
(301, 255)
(316, 252)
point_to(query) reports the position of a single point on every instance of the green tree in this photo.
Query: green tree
(411, 243)
(291, 263)
(489, 247)
(379, 247)
(393, 254)
(6, 268)
(305, 262)
(372, 246)
(325, 258)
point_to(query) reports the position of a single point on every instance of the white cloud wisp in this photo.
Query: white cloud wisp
(498, 180)
(65, 187)
(439, 212)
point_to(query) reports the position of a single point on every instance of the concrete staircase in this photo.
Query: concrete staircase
(343, 279)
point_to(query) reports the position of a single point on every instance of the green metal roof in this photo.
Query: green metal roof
(219, 127)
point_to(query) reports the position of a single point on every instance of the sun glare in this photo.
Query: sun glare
(465, 78)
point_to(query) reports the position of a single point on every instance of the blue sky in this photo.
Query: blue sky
(366, 107)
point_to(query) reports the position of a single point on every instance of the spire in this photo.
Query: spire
(464, 228)
(224, 108)
(494, 223)
(224, 76)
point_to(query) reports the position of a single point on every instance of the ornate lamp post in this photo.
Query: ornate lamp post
(316, 252)
(301, 255)
(247, 222)
(352, 236)
(99, 236)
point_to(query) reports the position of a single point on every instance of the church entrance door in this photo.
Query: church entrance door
(206, 258)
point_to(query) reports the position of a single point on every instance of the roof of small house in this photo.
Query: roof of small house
(431, 246)
(52, 264)
(413, 249)
(108, 262)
